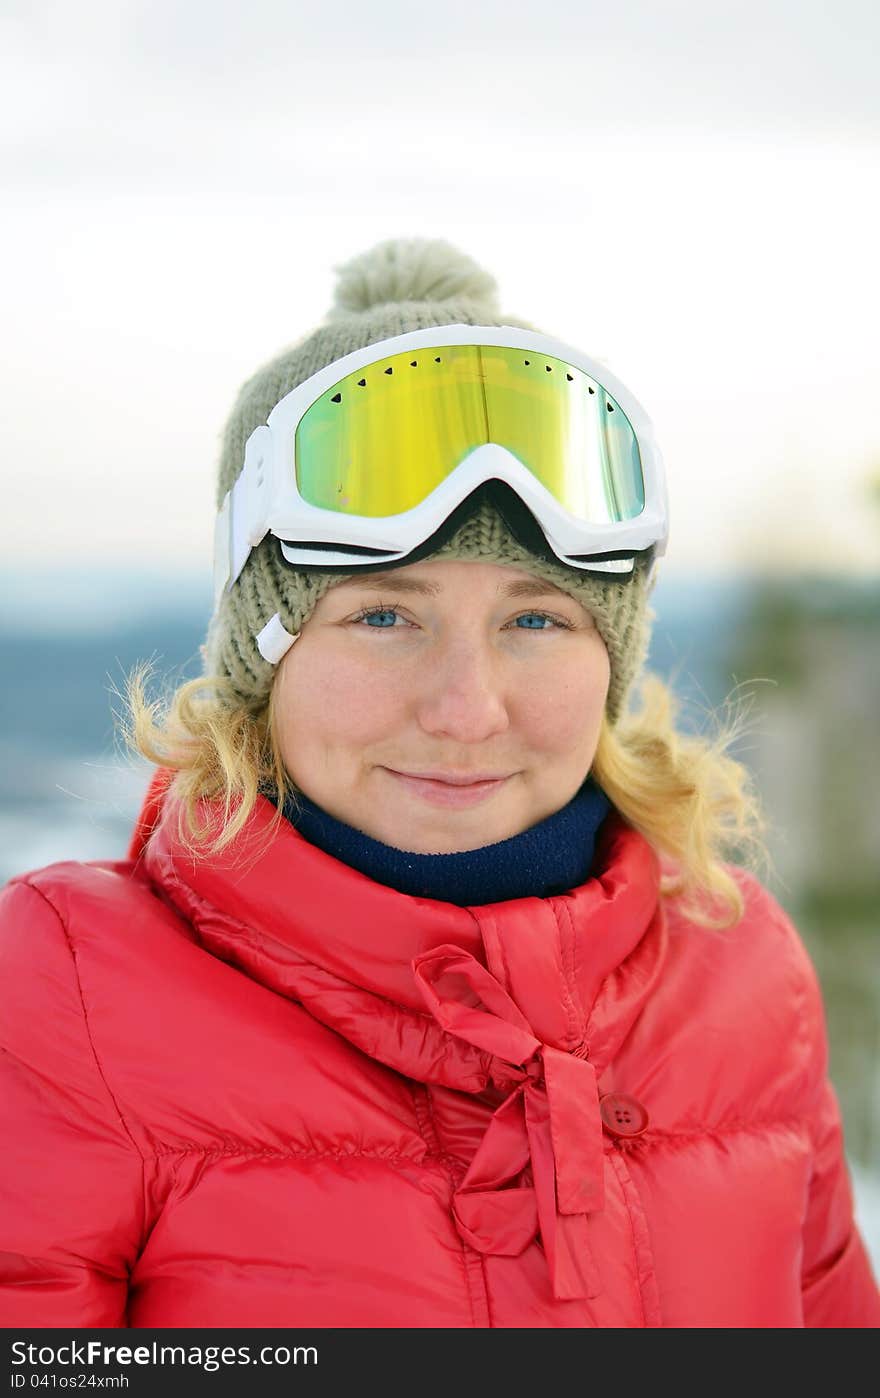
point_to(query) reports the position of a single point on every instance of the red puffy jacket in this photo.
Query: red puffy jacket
(264, 1090)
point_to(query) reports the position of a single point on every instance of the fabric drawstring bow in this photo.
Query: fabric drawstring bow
(549, 1121)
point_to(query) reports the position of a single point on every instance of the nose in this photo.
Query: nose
(463, 693)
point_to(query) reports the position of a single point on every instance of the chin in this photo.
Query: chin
(457, 840)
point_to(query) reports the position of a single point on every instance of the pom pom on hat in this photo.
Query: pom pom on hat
(411, 269)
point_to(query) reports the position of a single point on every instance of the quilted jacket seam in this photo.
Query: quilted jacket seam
(619, 1165)
(395, 1159)
(69, 943)
(453, 1167)
(455, 1172)
(656, 1136)
(576, 1010)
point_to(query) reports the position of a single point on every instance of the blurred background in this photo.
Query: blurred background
(688, 191)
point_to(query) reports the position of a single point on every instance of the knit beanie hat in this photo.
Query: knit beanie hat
(399, 285)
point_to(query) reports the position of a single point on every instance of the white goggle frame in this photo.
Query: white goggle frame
(265, 498)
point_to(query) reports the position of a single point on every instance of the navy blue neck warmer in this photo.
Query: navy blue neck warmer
(551, 857)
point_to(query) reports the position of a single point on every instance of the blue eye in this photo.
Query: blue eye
(372, 617)
(534, 621)
(379, 617)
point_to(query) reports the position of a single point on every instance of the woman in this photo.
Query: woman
(425, 996)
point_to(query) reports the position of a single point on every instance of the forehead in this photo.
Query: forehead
(433, 578)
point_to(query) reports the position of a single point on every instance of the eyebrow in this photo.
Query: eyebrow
(521, 587)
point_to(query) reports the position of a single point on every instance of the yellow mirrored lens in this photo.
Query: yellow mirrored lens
(379, 441)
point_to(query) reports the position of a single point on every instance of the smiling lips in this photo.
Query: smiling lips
(451, 779)
(446, 789)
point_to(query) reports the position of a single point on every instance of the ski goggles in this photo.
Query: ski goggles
(364, 463)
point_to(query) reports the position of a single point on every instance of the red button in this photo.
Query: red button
(623, 1115)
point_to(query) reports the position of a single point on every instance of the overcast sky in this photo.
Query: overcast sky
(688, 191)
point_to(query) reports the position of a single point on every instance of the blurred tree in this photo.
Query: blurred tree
(815, 751)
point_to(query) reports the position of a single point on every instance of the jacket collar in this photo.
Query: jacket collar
(579, 965)
(526, 1000)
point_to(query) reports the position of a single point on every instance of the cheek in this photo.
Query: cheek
(335, 701)
(561, 711)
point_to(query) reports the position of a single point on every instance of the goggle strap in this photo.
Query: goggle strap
(243, 518)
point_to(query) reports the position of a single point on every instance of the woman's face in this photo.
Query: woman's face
(442, 706)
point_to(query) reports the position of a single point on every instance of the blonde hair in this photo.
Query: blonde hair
(693, 802)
